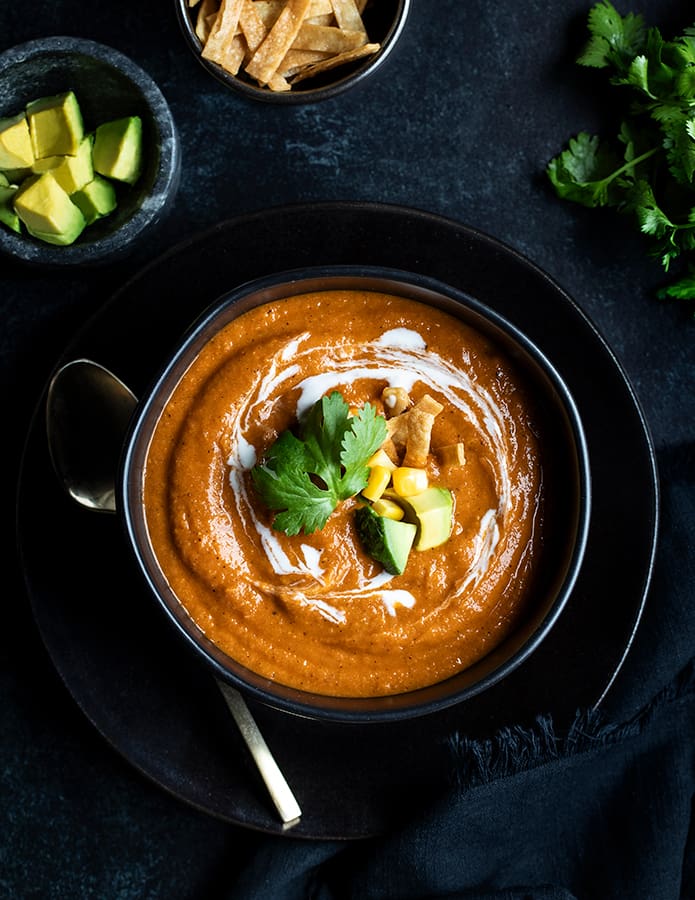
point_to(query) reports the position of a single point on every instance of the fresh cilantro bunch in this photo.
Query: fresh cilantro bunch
(305, 477)
(648, 170)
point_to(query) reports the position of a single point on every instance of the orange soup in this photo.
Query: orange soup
(316, 611)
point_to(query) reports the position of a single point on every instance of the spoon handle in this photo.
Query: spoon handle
(278, 788)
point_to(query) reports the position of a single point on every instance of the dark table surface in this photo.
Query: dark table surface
(460, 122)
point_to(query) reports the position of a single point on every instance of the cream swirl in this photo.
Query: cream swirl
(400, 357)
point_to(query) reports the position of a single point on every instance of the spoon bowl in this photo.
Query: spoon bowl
(88, 411)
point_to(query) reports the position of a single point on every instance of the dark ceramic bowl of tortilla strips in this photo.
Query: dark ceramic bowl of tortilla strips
(334, 47)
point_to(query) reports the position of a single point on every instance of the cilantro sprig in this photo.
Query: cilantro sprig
(304, 477)
(648, 170)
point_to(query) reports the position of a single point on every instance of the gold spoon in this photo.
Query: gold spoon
(88, 410)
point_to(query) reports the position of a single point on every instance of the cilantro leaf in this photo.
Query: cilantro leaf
(679, 146)
(302, 504)
(654, 181)
(368, 429)
(324, 430)
(590, 173)
(614, 40)
(579, 173)
(304, 478)
(681, 289)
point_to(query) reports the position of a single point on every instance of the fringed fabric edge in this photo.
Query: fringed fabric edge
(516, 748)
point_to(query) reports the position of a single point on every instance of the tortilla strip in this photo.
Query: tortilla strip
(397, 430)
(220, 47)
(347, 15)
(279, 83)
(338, 60)
(266, 60)
(252, 26)
(396, 400)
(420, 425)
(328, 19)
(268, 10)
(319, 8)
(207, 13)
(327, 38)
(427, 403)
(271, 9)
(296, 60)
(452, 454)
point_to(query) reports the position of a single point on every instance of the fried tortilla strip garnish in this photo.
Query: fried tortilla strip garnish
(205, 18)
(397, 430)
(429, 404)
(255, 24)
(320, 8)
(419, 438)
(266, 60)
(396, 400)
(296, 60)
(328, 19)
(255, 31)
(252, 27)
(347, 15)
(223, 45)
(268, 10)
(339, 60)
(412, 430)
(452, 454)
(327, 38)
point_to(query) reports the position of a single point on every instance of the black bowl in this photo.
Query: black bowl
(566, 476)
(108, 85)
(384, 22)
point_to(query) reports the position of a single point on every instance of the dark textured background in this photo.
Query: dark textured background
(460, 121)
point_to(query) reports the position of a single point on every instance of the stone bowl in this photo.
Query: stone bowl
(108, 85)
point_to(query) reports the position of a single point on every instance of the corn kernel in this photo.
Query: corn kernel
(379, 478)
(381, 458)
(408, 481)
(388, 509)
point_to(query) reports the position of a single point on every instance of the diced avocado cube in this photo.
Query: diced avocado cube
(47, 211)
(74, 172)
(55, 125)
(432, 511)
(118, 149)
(4, 180)
(385, 540)
(8, 216)
(40, 166)
(15, 143)
(96, 199)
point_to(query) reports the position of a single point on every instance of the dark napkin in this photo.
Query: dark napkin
(602, 809)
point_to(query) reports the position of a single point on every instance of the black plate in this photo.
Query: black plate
(154, 703)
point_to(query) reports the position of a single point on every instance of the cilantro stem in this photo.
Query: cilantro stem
(631, 164)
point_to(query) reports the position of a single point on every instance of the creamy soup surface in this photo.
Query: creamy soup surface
(314, 611)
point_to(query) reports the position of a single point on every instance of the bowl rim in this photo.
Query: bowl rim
(27, 249)
(387, 708)
(247, 89)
